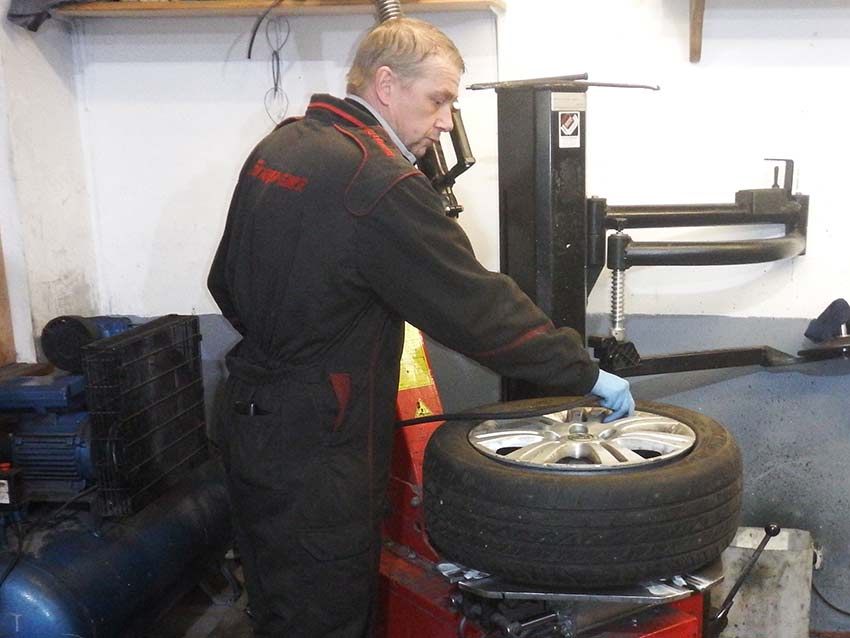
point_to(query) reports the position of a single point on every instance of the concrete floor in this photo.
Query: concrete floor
(208, 611)
(197, 617)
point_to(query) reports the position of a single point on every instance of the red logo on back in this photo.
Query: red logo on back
(272, 176)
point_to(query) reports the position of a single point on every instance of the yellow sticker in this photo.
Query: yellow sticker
(422, 409)
(414, 372)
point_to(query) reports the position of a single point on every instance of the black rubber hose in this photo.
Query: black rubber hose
(43, 522)
(18, 554)
(584, 402)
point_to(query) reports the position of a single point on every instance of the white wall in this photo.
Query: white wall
(771, 83)
(45, 223)
(171, 108)
(12, 243)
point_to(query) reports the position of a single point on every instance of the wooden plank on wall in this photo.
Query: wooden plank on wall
(7, 337)
(697, 16)
(152, 8)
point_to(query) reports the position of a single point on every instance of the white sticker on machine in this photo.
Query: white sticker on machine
(569, 101)
(569, 129)
(4, 492)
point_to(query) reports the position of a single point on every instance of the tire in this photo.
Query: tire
(568, 528)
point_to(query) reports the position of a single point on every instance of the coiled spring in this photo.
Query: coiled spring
(618, 315)
(388, 9)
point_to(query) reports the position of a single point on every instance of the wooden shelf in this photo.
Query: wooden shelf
(155, 8)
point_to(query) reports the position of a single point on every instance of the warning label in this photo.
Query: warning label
(569, 129)
(414, 371)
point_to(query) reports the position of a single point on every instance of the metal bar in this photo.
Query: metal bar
(619, 85)
(770, 532)
(527, 84)
(663, 208)
(650, 593)
(563, 84)
(714, 253)
(622, 217)
(709, 360)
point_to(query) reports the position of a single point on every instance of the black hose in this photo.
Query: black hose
(829, 603)
(18, 553)
(584, 402)
(257, 24)
(42, 522)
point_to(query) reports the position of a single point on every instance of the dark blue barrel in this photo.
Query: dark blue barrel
(76, 583)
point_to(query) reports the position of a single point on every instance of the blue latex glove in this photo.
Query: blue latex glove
(614, 394)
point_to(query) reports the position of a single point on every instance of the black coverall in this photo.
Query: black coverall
(332, 240)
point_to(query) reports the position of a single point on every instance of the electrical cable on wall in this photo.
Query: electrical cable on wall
(276, 102)
(257, 24)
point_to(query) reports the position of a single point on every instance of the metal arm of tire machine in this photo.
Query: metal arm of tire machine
(776, 205)
(553, 237)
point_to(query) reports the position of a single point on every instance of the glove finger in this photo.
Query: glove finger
(618, 408)
(607, 402)
(615, 414)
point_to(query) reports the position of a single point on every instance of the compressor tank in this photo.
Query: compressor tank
(84, 584)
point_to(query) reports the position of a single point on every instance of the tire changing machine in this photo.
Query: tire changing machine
(423, 596)
(553, 244)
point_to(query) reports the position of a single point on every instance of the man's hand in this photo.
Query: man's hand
(614, 394)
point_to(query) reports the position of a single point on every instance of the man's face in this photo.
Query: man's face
(419, 110)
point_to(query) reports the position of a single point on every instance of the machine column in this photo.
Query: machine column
(543, 226)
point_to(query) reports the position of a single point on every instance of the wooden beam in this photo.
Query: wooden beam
(697, 14)
(156, 8)
(7, 337)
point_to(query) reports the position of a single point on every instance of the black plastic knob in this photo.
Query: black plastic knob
(772, 529)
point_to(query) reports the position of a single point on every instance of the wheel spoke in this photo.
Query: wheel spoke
(601, 453)
(498, 440)
(543, 452)
(658, 441)
(624, 452)
(654, 423)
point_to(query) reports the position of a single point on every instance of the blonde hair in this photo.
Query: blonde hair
(403, 44)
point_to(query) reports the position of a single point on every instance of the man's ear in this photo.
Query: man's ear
(385, 81)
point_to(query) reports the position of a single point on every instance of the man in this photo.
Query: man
(333, 238)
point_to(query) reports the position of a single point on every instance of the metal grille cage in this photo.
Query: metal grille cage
(144, 392)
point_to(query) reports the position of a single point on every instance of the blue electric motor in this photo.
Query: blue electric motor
(51, 438)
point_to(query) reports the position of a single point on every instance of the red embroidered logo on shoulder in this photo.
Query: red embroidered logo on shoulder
(271, 176)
